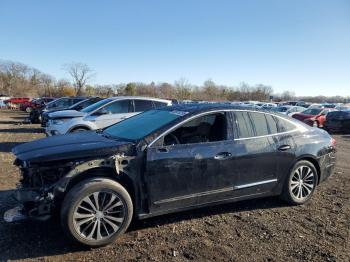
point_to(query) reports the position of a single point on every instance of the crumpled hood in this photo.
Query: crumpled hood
(66, 114)
(71, 146)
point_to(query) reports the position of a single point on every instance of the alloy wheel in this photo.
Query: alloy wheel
(302, 182)
(99, 215)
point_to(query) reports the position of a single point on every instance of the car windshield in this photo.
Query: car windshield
(95, 106)
(143, 124)
(312, 111)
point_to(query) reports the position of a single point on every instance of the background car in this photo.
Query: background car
(319, 120)
(77, 107)
(281, 109)
(15, 102)
(294, 109)
(62, 103)
(36, 103)
(268, 106)
(313, 116)
(101, 114)
(338, 121)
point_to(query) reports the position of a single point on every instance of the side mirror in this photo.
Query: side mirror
(102, 111)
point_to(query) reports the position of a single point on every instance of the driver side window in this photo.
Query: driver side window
(203, 129)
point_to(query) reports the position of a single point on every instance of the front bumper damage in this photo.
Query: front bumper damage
(33, 204)
(42, 188)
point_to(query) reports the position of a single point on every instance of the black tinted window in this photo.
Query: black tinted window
(260, 124)
(142, 105)
(75, 100)
(284, 125)
(159, 104)
(271, 122)
(243, 124)
(118, 107)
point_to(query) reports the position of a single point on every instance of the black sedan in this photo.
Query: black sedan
(338, 121)
(166, 160)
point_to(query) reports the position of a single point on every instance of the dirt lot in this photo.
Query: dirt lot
(259, 230)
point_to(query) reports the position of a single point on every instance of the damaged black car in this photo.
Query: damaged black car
(167, 160)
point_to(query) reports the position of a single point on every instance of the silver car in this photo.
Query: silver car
(101, 114)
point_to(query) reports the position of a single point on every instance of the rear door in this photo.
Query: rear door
(255, 152)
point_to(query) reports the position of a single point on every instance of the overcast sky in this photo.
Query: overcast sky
(302, 46)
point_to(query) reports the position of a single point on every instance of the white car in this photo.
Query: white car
(295, 109)
(101, 114)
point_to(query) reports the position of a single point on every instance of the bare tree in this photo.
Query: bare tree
(183, 88)
(81, 74)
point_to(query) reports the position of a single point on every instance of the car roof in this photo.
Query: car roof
(204, 107)
(138, 97)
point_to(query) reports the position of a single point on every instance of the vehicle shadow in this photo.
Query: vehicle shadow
(22, 130)
(30, 240)
(6, 147)
(8, 122)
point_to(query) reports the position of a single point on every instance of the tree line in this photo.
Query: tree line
(17, 79)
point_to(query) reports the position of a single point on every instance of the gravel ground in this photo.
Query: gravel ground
(257, 230)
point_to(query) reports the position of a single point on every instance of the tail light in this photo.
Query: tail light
(333, 142)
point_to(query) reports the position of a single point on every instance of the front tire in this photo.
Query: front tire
(96, 211)
(300, 184)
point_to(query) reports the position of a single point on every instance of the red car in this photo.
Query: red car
(313, 116)
(17, 100)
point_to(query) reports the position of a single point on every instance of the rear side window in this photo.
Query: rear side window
(143, 105)
(260, 124)
(243, 125)
(159, 104)
(272, 124)
(285, 126)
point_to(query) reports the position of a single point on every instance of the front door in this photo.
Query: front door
(112, 113)
(181, 174)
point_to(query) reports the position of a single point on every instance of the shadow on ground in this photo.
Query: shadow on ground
(6, 147)
(22, 130)
(30, 239)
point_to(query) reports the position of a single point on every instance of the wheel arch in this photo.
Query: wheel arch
(79, 126)
(313, 160)
(103, 172)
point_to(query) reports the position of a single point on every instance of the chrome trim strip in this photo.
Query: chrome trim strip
(277, 134)
(297, 126)
(217, 191)
(206, 193)
(256, 184)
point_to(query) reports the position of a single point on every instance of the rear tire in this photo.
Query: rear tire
(300, 183)
(96, 211)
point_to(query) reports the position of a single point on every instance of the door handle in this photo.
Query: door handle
(284, 148)
(222, 155)
(163, 150)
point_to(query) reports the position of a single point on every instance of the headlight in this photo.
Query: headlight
(60, 121)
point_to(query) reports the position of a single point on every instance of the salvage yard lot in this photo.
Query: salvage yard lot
(260, 230)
